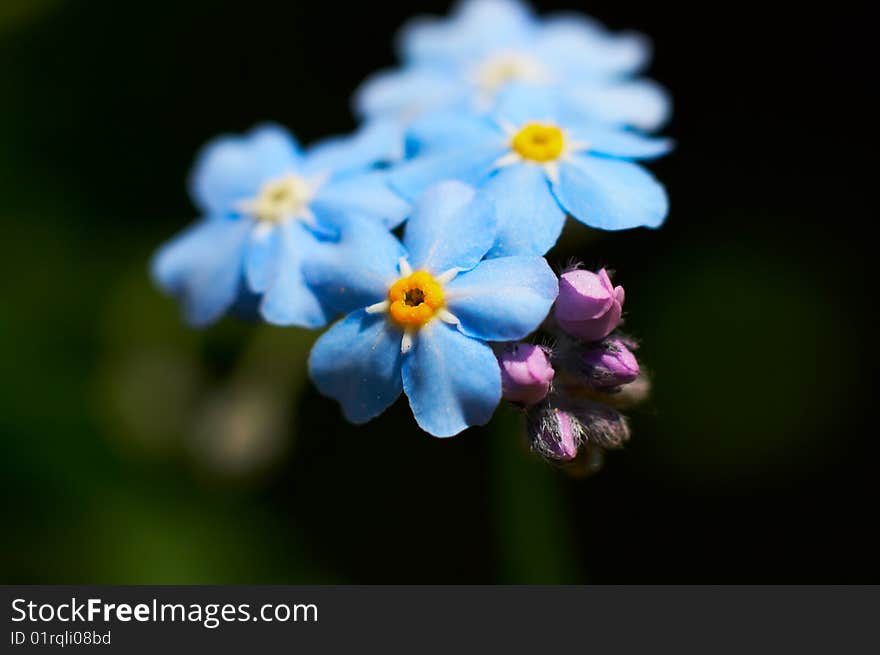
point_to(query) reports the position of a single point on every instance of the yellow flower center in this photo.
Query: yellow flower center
(415, 299)
(282, 197)
(539, 142)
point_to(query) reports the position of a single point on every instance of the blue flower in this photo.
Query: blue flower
(464, 61)
(266, 207)
(538, 162)
(423, 311)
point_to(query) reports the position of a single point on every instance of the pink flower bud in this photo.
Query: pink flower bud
(589, 307)
(554, 434)
(564, 426)
(526, 373)
(610, 364)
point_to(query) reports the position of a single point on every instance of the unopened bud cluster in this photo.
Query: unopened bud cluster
(571, 392)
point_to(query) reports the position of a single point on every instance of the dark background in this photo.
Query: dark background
(136, 450)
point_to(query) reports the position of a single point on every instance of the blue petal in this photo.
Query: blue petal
(452, 381)
(377, 142)
(608, 194)
(366, 195)
(453, 130)
(358, 363)
(408, 93)
(358, 269)
(452, 226)
(579, 45)
(203, 267)
(469, 165)
(263, 257)
(289, 300)
(474, 27)
(620, 143)
(520, 103)
(503, 299)
(639, 103)
(232, 168)
(529, 218)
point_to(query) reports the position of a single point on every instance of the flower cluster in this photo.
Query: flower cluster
(423, 234)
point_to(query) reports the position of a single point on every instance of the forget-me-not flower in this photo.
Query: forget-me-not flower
(267, 206)
(538, 160)
(462, 62)
(423, 312)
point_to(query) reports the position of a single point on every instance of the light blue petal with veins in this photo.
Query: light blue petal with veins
(289, 300)
(203, 267)
(452, 130)
(518, 104)
(262, 257)
(358, 270)
(620, 144)
(376, 142)
(609, 194)
(451, 380)
(581, 46)
(358, 363)
(503, 299)
(452, 225)
(638, 103)
(529, 217)
(367, 195)
(408, 93)
(474, 27)
(469, 165)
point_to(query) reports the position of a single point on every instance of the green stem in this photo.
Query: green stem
(534, 538)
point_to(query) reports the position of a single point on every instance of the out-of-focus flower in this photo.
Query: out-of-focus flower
(602, 425)
(266, 205)
(240, 430)
(423, 311)
(589, 306)
(610, 364)
(538, 163)
(632, 394)
(526, 373)
(463, 61)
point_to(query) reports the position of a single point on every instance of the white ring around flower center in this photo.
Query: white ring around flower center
(281, 198)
